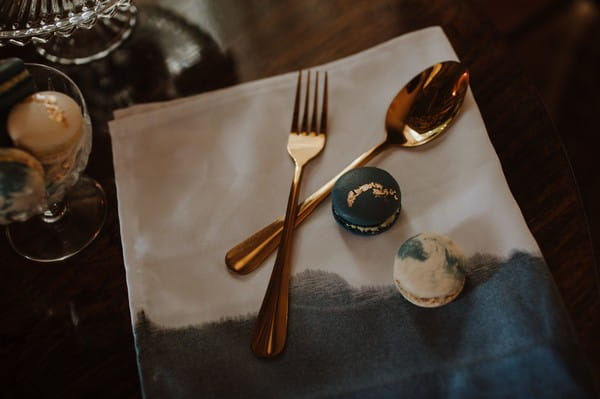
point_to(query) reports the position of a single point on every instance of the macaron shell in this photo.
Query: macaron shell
(22, 187)
(367, 230)
(47, 124)
(428, 270)
(429, 302)
(366, 200)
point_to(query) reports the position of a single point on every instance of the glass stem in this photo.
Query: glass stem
(54, 212)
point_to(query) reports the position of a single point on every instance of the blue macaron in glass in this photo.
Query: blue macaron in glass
(366, 200)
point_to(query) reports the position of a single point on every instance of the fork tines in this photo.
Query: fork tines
(304, 128)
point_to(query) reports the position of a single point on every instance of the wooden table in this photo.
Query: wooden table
(65, 327)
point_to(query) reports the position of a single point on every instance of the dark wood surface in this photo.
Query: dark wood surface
(65, 328)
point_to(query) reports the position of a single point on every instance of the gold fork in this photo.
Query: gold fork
(304, 143)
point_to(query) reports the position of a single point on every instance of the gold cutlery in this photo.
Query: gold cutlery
(418, 114)
(304, 143)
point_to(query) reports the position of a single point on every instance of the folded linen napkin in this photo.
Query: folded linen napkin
(197, 175)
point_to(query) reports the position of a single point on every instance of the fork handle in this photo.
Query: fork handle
(249, 254)
(270, 332)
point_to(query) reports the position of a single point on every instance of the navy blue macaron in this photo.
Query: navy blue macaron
(366, 200)
(15, 84)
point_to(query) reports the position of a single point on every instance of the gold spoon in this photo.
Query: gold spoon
(418, 114)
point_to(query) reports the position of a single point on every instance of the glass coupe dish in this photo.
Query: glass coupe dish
(75, 203)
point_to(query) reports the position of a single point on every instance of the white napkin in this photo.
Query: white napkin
(198, 175)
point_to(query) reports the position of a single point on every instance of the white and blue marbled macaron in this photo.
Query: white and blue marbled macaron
(429, 270)
(22, 186)
(366, 200)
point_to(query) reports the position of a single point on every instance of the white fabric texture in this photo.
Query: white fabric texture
(195, 176)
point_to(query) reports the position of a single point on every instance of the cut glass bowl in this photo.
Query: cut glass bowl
(67, 31)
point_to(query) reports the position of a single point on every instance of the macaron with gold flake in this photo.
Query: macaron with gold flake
(49, 125)
(22, 188)
(366, 200)
(429, 270)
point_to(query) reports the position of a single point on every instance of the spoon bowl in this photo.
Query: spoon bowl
(419, 113)
(427, 105)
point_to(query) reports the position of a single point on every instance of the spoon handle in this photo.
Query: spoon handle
(249, 254)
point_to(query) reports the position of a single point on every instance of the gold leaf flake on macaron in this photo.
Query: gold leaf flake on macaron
(378, 191)
(50, 103)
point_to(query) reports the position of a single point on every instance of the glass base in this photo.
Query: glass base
(51, 239)
(86, 45)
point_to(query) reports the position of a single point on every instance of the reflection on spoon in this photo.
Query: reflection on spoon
(418, 114)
